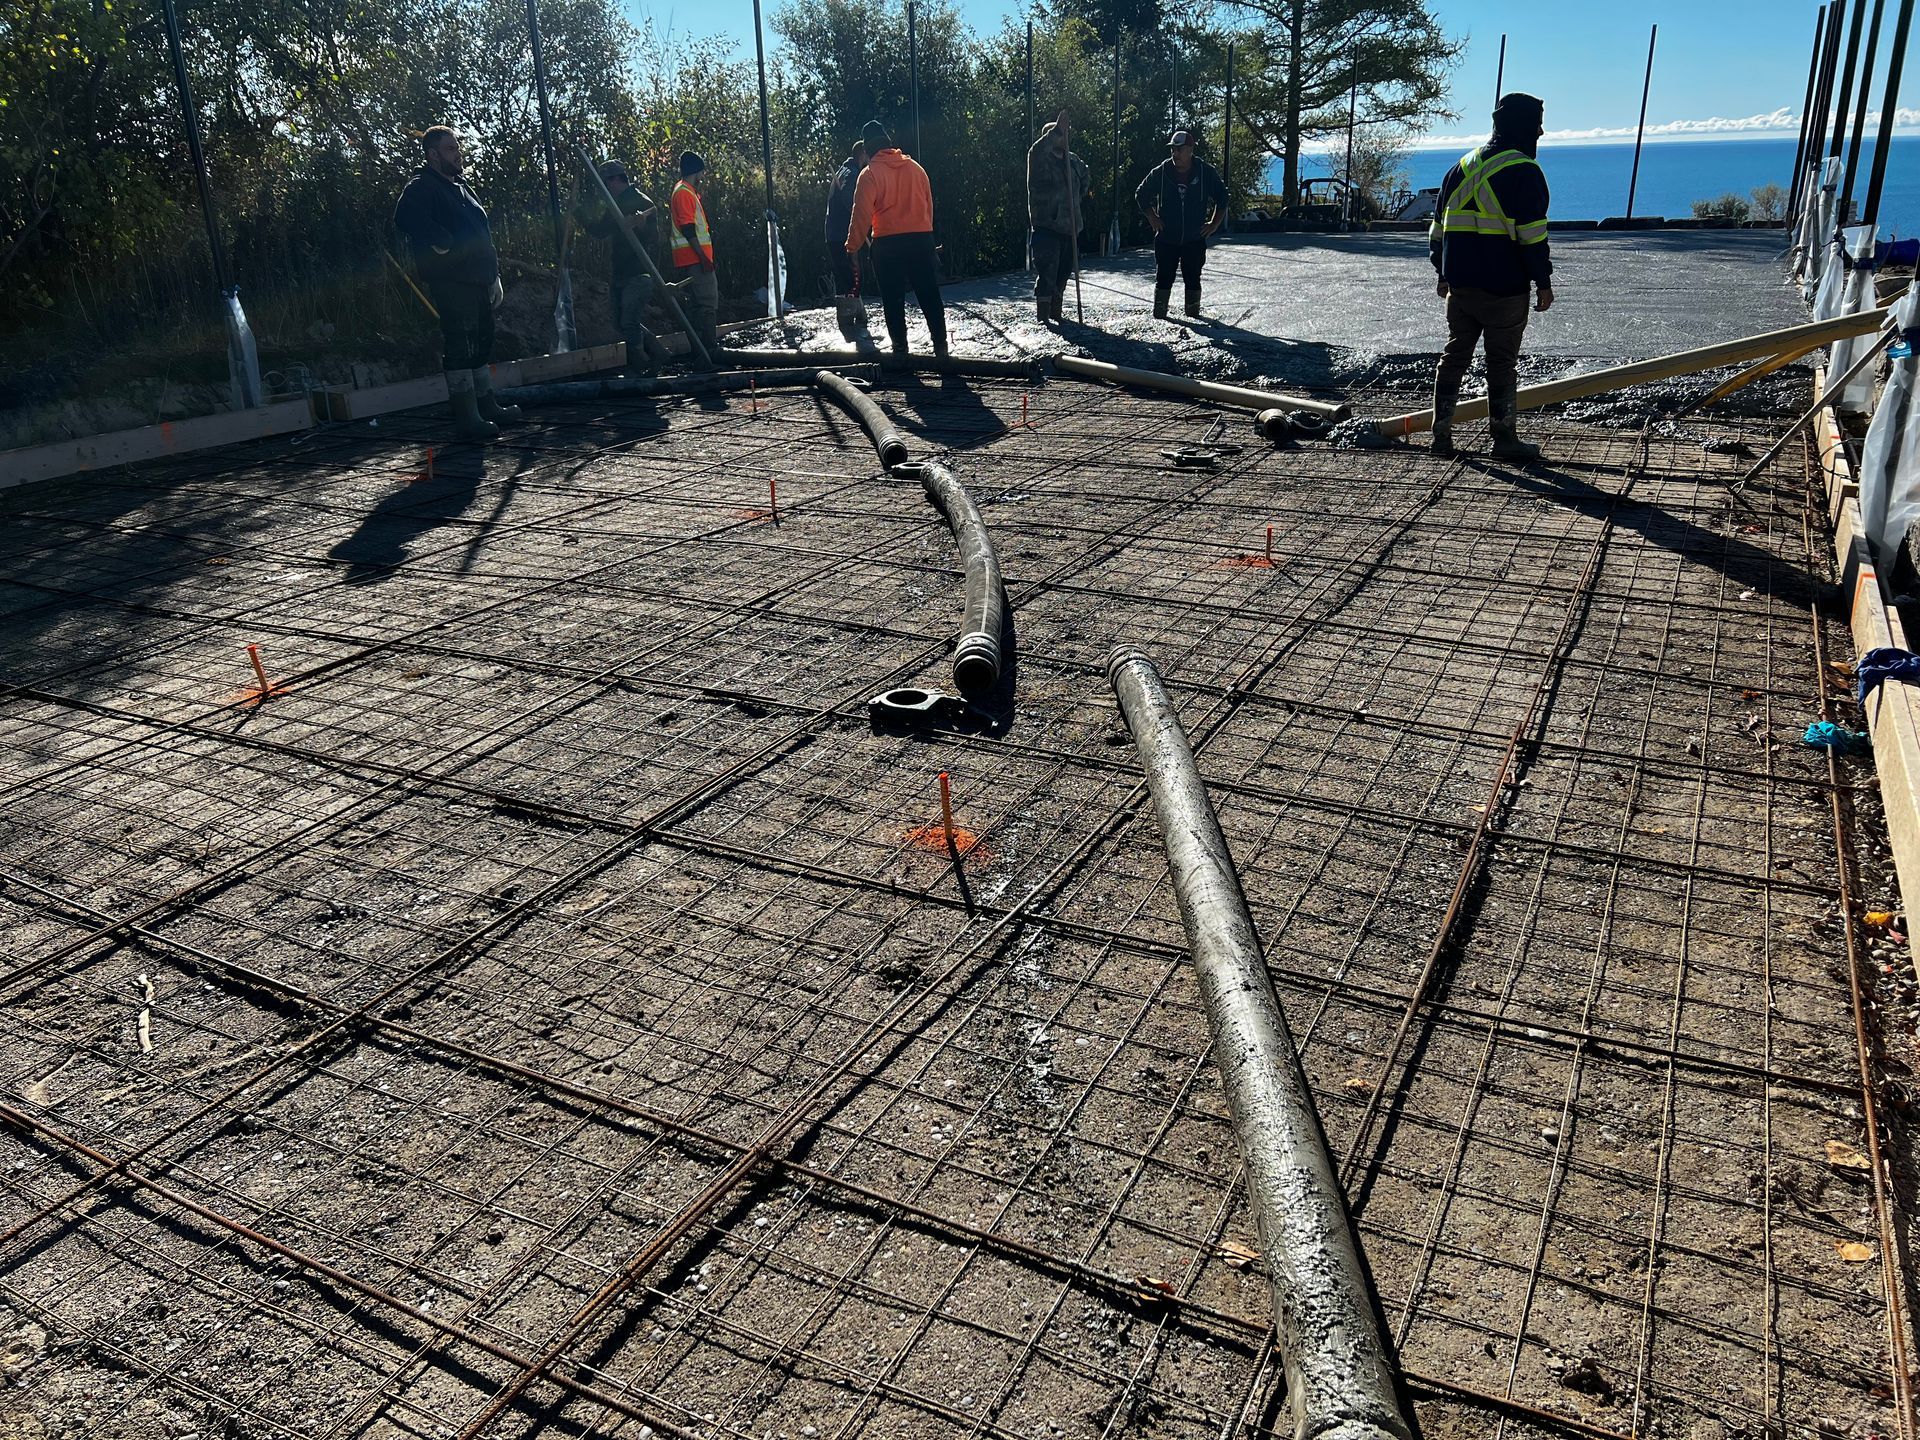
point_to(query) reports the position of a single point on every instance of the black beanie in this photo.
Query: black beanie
(874, 136)
(1518, 115)
(691, 165)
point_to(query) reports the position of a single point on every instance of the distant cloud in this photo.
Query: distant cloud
(1777, 122)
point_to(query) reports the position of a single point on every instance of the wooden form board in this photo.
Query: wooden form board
(1892, 713)
(151, 442)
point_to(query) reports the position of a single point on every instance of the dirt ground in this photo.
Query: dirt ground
(536, 1015)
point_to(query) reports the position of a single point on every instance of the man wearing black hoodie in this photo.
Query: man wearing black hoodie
(452, 244)
(1488, 241)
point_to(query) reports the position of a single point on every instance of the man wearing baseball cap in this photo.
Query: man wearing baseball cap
(1185, 201)
(632, 282)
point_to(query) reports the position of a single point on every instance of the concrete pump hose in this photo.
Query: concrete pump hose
(724, 382)
(976, 660)
(888, 442)
(1340, 1380)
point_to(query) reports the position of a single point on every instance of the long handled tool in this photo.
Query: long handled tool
(666, 290)
(1833, 387)
(1073, 217)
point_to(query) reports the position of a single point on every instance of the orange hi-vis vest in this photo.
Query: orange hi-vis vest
(687, 209)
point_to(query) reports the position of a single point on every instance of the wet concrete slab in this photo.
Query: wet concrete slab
(1357, 311)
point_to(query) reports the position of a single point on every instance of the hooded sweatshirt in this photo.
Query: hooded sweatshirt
(892, 197)
(1497, 263)
(1048, 206)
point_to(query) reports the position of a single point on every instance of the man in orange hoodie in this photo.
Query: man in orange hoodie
(893, 204)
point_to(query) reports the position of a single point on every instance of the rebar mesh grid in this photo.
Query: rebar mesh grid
(546, 1008)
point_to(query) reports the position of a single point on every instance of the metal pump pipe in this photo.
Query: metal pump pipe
(976, 659)
(1340, 1382)
(888, 442)
(1241, 397)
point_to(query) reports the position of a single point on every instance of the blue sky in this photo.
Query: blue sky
(1732, 63)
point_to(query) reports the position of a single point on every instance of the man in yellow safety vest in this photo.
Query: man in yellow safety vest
(1489, 247)
(695, 278)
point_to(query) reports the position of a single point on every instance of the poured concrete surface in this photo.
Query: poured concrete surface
(1341, 310)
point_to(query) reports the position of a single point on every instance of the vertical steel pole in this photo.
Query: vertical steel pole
(1646, 85)
(243, 360)
(1113, 232)
(1353, 101)
(198, 156)
(913, 77)
(1889, 101)
(564, 337)
(1029, 132)
(775, 279)
(766, 120)
(1846, 77)
(1823, 102)
(1226, 147)
(1500, 74)
(1806, 117)
(1860, 109)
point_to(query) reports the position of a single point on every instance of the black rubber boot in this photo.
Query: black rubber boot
(1193, 302)
(1058, 301)
(491, 410)
(1445, 399)
(1502, 412)
(467, 424)
(1043, 308)
(1161, 295)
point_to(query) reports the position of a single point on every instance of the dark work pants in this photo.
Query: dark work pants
(631, 296)
(466, 323)
(1502, 321)
(902, 261)
(1187, 255)
(1052, 264)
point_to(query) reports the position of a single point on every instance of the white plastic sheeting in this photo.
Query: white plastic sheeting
(1890, 460)
(1853, 283)
(1818, 237)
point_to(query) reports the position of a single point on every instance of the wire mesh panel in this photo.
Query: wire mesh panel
(553, 1006)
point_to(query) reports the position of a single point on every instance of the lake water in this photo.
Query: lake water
(1589, 182)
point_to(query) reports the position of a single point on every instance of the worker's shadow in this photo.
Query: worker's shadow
(948, 411)
(1745, 565)
(380, 544)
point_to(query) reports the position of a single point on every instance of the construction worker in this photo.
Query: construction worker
(1489, 246)
(452, 243)
(1185, 201)
(893, 204)
(699, 285)
(632, 283)
(848, 308)
(1057, 191)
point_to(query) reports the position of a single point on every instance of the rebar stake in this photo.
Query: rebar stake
(773, 499)
(946, 815)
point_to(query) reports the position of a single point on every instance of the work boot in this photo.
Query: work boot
(491, 410)
(1161, 295)
(467, 424)
(1058, 301)
(1193, 302)
(1507, 444)
(1445, 398)
(1043, 308)
(1502, 411)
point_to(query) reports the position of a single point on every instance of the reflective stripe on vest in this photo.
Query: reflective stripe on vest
(683, 247)
(1474, 209)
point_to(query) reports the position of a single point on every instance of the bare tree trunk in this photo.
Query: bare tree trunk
(1295, 27)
